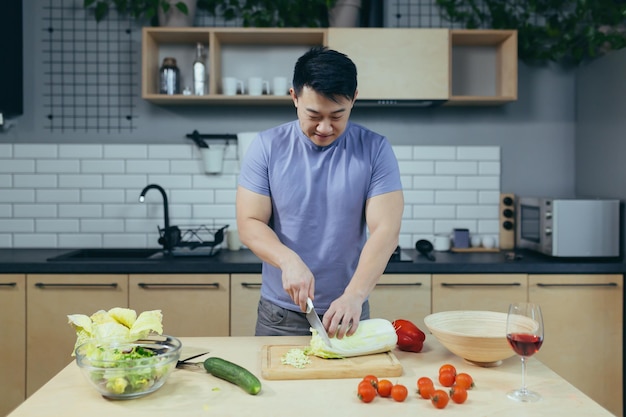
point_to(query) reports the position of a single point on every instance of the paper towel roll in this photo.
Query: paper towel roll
(244, 140)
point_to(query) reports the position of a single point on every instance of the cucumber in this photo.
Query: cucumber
(234, 374)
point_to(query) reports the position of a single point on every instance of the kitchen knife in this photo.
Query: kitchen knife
(315, 322)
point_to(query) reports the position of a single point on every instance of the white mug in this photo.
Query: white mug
(489, 242)
(279, 86)
(231, 85)
(441, 243)
(257, 85)
(232, 239)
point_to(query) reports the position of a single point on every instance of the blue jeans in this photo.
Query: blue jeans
(273, 320)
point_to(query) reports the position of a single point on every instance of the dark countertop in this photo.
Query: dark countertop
(36, 261)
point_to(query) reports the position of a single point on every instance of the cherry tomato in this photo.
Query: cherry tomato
(447, 367)
(366, 392)
(426, 391)
(464, 380)
(440, 398)
(399, 392)
(372, 379)
(424, 381)
(446, 378)
(458, 394)
(384, 387)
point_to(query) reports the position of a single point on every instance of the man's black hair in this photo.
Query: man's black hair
(327, 72)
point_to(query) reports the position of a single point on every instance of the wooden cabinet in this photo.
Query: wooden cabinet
(245, 290)
(192, 305)
(583, 332)
(13, 346)
(493, 292)
(49, 338)
(398, 296)
(397, 64)
(460, 67)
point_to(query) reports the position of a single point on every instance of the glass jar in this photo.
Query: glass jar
(169, 75)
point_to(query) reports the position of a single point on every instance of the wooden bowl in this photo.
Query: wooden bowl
(479, 337)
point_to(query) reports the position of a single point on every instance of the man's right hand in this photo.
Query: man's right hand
(298, 281)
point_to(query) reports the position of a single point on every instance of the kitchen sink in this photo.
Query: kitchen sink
(108, 254)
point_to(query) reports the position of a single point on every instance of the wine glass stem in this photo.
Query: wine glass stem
(523, 375)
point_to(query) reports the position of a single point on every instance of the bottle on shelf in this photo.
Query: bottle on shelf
(199, 72)
(169, 77)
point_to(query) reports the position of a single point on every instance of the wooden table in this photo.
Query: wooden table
(193, 393)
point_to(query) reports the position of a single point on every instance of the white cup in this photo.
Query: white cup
(477, 241)
(232, 239)
(257, 85)
(489, 242)
(279, 86)
(231, 86)
(213, 158)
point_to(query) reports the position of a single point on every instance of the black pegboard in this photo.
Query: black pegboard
(91, 79)
(416, 14)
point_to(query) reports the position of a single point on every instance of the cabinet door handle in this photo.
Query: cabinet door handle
(147, 285)
(480, 284)
(80, 285)
(251, 285)
(399, 284)
(8, 284)
(588, 284)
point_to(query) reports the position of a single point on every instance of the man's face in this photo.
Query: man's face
(322, 120)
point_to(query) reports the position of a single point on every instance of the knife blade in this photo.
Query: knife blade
(315, 322)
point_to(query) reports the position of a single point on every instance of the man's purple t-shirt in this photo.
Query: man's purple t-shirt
(318, 201)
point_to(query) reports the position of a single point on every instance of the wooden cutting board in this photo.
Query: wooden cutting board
(380, 364)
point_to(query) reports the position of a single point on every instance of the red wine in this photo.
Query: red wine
(524, 344)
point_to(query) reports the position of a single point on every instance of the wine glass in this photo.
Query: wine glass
(524, 332)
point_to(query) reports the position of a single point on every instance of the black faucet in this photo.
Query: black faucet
(170, 235)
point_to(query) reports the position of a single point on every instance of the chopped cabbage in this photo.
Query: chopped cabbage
(372, 336)
(296, 358)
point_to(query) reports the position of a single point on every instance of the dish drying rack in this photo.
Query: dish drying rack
(193, 240)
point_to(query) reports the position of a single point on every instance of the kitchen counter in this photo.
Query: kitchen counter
(196, 393)
(244, 261)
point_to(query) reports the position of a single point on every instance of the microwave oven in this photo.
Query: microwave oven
(568, 227)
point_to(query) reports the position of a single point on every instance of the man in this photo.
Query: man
(309, 190)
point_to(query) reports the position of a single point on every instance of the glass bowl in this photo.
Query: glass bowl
(126, 370)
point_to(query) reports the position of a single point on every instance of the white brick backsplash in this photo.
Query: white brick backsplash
(102, 196)
(126, 181)
(169, 152)
(83, 195)
(432, 153)
(105, 166)
(171, 181)
(80, 240)
(35, 240)
(57, 196)
(456, 168)
(80, 181)
(6, 150)
(417, 167)
(56, 225)
(35, 211)
(478, 182)
(12, 166)
(17, 196)
(80, 211)
(456, 197)
(17, 225)
(6, 210)
(76, 151)
(6, 181)
(136, 166)
(102, 225)
(60, 166)
(34, 181)
(478, 153)
(125, 151)
(32, 150)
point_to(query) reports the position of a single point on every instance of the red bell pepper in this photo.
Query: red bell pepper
(410, 337)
